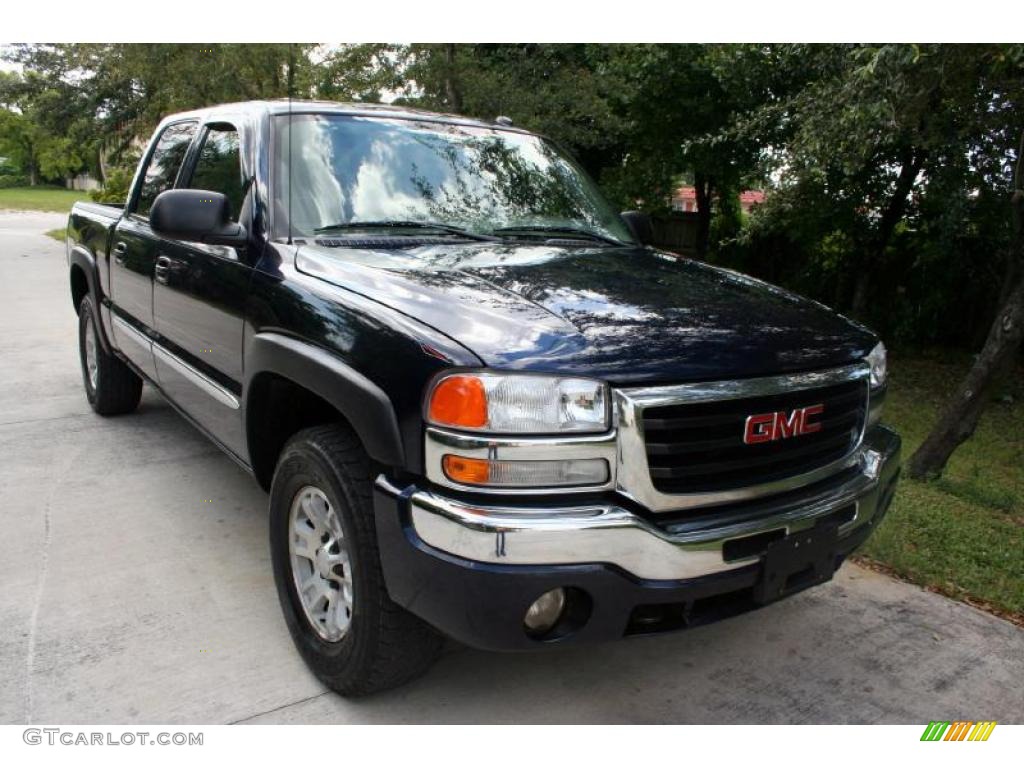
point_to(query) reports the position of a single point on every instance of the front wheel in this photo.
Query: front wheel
(111, 387)
(327, 568)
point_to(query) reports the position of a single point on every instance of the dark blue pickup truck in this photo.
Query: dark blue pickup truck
(482, 406)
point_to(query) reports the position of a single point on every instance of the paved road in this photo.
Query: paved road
(128, 596)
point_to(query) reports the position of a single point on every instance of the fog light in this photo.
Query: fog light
(545, 612)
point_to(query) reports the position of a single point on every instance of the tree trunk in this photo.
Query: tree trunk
(911, 164)
(451, 88)
(703, 186)
(1011, 274)
(101, 164)
(910, 168)
(290, 82)
(860, 291)
(960, 417)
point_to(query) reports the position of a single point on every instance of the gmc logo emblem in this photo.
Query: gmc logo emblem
(766, 427)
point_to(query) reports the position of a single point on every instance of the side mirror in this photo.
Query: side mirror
(196, 215)
(639, 224)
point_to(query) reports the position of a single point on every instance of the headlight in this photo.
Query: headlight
(876, 359)
(518, 403)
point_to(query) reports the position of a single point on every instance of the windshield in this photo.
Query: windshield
(347, 169)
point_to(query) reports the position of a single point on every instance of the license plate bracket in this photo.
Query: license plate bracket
(801, 560)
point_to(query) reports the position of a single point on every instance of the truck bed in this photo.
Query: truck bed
(90, 225)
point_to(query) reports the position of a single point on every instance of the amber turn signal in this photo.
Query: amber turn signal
(467, 471)
(459, 401)
(525, 474)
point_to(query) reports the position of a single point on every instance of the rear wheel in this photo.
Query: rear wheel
(327, 568)
(111, 386)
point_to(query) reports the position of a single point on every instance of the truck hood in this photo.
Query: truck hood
(628, 315)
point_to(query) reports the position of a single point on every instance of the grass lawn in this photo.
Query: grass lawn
(40, 199)
(962, 535)
(60, 235)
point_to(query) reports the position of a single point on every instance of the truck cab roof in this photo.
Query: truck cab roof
(256, 109)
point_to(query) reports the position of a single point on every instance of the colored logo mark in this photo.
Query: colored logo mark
(959, 730)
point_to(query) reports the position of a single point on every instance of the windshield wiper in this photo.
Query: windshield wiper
(568, 231)
(437, 227)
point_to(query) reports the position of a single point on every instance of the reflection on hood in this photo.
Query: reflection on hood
(625, 314)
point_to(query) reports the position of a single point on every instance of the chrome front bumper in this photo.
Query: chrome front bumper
(691, 546)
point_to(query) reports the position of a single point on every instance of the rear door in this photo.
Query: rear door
(135, 247)
(199, 300)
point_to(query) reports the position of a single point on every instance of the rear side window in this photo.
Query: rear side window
(164, 164)
(219, 168)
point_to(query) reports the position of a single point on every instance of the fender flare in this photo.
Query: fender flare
(365, 405)
(83, 259)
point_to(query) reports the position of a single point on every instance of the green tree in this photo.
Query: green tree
(40, 129)
(19, 143)
(355, 72)
(119, 91)
(681, 104)
(867, 128)
(566, 92)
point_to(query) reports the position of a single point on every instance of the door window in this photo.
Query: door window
(164, 164)
(218, 167)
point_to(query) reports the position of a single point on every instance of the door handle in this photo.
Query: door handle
(119, 251)
(162, 269)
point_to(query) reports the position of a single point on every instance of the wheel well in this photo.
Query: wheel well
(276, 408)
(79, 285)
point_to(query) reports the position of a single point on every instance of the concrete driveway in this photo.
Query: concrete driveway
(136, 587)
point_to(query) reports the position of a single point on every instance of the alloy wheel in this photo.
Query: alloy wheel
(320, 563)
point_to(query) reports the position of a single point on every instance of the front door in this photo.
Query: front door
(199, 303)
(135, 248)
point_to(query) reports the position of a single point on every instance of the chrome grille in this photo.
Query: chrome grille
(698, 447)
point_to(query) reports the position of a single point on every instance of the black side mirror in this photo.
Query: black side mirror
(639, 224)
(196, 215)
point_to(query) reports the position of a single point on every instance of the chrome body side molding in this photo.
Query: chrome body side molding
(196, 377)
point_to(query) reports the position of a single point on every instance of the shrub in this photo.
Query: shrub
(115, 190)
(8, 180)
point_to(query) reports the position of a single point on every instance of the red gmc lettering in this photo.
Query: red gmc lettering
(807, 426)
(787, 426)
(766, 427)
(759, 429)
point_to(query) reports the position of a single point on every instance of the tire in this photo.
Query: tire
(382, 645)
(111, 387)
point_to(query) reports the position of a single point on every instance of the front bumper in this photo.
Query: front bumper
(472, 570)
